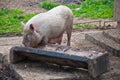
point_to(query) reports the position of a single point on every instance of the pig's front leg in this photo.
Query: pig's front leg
(43, 42)
(55, 40)
(46, 40)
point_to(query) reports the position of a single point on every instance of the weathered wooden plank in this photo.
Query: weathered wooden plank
(19, 53)
(95, 62)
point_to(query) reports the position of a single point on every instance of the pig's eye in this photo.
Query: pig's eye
(29, 38)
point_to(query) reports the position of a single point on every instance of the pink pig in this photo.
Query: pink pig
(48, 27)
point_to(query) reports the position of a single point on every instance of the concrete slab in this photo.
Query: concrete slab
(30, 70)
(7, 41)
(104, 42)
(113, 34)
(39, 71)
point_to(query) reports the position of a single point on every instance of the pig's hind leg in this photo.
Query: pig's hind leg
(68, 31)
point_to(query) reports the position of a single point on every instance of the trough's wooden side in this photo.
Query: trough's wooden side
(96, 62)
(20, 53)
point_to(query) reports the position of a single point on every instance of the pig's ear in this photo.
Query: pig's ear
(23, 24)
(31, 27)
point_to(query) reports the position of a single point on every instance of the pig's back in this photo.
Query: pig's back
(57, 13)
(51, 21)
(61, 11)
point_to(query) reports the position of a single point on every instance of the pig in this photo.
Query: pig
(48, 27)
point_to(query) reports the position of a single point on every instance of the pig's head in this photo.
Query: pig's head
(31, 37)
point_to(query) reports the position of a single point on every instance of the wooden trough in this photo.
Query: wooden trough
(95, 62)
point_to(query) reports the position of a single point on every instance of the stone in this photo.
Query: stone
(64, 56)
(104, 42)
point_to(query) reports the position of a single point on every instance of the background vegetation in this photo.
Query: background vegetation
(89, 8)
(10, 19)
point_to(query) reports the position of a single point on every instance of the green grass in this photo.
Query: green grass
(88, 9)
(48, 5)
(85, 26)
(96, 9)
(10, 21)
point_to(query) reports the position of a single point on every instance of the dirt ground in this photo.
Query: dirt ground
(6, 73)
(30, 6)
(79, 42)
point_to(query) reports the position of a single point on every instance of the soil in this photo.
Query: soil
(6, 73)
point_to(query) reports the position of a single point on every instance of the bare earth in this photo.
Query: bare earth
(77, 41)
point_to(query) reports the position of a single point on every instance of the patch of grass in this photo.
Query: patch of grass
(27, 17)
(48, 5)
(96, 9)
(89, 8)
(85, 26)
(10, 21)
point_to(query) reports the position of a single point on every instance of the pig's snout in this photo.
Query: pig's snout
(25, 44)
